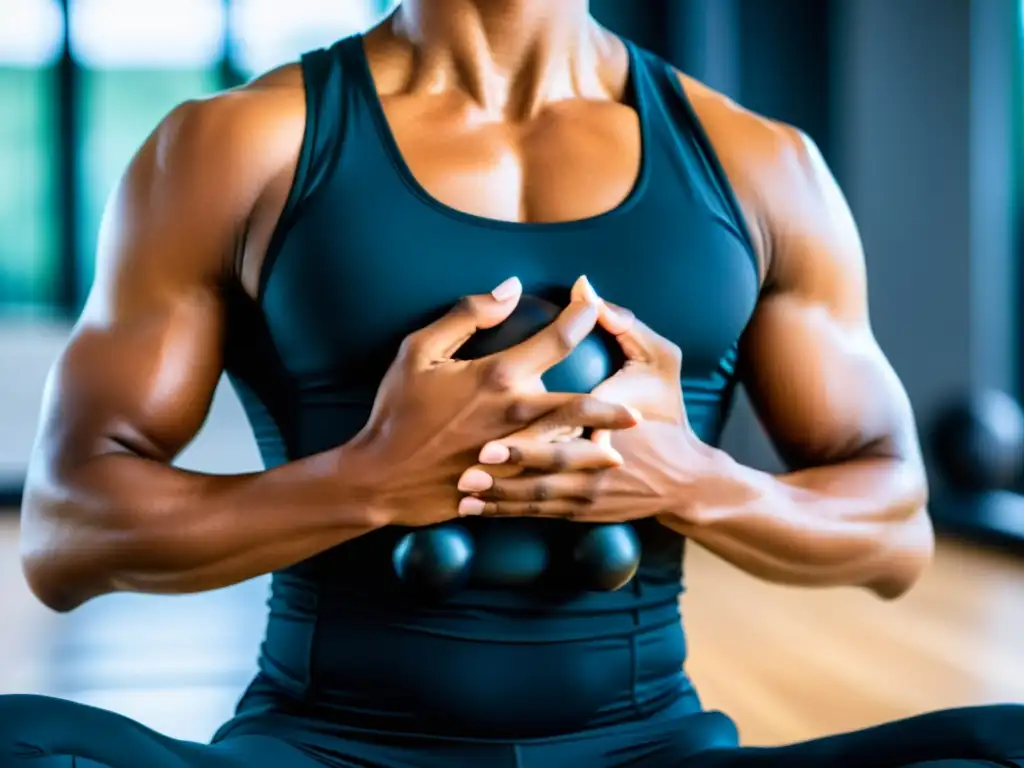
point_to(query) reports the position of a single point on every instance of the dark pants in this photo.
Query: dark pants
(41, 732)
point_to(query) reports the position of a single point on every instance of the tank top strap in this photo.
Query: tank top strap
(327, 75)
(680, 148)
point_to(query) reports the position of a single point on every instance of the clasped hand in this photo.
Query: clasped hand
(549, 468)
(623, 452)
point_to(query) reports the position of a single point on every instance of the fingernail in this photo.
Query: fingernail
(637, 416)
(589, 294)
(494, 453)
(470, 507)
(508, 289)
(474, 481)
(582, 324)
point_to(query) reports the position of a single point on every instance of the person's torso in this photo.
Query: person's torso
(364, 254)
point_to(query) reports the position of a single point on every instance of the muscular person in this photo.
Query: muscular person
(293, 232)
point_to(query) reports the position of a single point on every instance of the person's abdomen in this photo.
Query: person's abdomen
(488, 664)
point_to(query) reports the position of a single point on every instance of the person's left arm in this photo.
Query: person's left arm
(853, 510)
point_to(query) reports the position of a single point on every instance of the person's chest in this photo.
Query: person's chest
(427, 201)
(573, 160)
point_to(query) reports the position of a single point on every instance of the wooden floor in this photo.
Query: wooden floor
(792, 664)
(786, 664)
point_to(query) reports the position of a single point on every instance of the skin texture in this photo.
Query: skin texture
(498, 107)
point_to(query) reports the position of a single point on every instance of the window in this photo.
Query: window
(268, 33)
(132, 62)
(29, 49)
(138, 60)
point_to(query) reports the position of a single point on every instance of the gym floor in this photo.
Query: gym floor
(786, 664)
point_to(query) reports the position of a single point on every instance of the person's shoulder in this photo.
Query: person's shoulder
(249, 125)
(748, 141)
(776, 170)
(198, 177)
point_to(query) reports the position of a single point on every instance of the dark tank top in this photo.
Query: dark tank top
(362, 256)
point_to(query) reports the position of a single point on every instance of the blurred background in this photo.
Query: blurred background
(916, 105)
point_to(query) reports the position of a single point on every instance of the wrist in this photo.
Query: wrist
(357, 486)
(717, 489)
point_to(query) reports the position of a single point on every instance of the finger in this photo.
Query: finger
(584, 412)
(602, 438)
(571, 456)
(638, 385)
(541, 413)
(441, 339)
(613, 318)
(551, 345)
(578, 486)
(639, 343)
(565, 509)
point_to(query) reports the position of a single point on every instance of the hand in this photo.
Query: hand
(659, 460)
(433, 412)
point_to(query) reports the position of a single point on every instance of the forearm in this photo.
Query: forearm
(125, 523)
(859, 523)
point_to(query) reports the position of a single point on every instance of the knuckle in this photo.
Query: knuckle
(518, 413)
(560, 459)
(468, 305)
(515, 454)
(542, 491)
(580, 409)
(499, 376)
(589, 489)
(672, 351)
(412, 345)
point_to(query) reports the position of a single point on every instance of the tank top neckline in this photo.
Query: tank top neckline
(404, 172)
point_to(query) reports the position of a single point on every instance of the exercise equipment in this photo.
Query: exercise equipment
(510, 553)
(435, 561)
(978, 442)
(518, 552)
(606, 557)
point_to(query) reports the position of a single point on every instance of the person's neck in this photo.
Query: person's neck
(511, 56)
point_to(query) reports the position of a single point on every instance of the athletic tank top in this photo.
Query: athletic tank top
(362, 256)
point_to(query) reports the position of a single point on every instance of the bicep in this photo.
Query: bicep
(139, 372)
(810, 362)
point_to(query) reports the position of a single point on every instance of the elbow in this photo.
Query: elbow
(50, 583)
(48, 587)
(909, 553)
(56, 576)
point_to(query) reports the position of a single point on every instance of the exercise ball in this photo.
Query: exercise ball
(590, 363)
(603, 557)
(606, 557)
(978, 442)
(435, 561)
(510, 553)
(517, 552)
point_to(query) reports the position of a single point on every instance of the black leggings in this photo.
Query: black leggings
(41, 732)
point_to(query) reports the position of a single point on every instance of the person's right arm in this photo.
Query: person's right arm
(104, 509)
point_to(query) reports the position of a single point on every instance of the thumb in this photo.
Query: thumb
(613, 318)
(638, 342)
(442, 338)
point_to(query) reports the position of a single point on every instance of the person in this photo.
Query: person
(308, 233)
